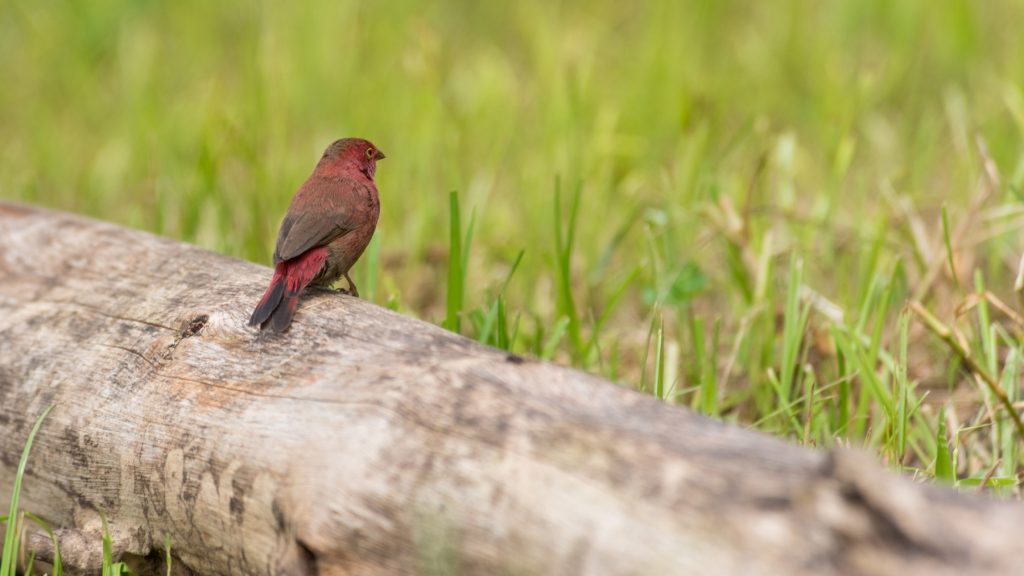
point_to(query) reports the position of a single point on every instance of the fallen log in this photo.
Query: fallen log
(366, 442)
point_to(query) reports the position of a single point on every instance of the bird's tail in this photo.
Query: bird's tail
(272, 297)
(277, 307)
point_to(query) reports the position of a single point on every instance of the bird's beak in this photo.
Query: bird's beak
(380, 155)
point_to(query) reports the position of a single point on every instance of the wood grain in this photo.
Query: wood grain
(367, 442)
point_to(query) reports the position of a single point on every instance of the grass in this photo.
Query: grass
(800, 218)
(13, 528)
(110, 567)
(13, 519)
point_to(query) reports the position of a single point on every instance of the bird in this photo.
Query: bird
(330, 221)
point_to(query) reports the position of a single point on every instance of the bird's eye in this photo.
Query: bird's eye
(370, 152)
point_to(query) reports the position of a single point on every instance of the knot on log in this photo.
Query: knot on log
(195, 325)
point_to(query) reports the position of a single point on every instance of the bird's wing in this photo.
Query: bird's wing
(320, 213)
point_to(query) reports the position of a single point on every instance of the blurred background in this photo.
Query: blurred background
(724, 203)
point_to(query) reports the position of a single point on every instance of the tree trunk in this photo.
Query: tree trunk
(366, 442)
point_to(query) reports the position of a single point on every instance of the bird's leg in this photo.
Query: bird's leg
(352, 286)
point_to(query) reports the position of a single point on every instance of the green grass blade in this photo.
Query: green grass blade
(1009, 443)
(108, 559)
(504, 341)
(484, 323)
(698, 357)
(611, 304)
(985, 334)
(512, 271)
(564, 243)
(554, 339)
(709, 376)
(948, 244)
(659, 360)
(10, 549)
(58, 564)
(31, 563)
(111, 568)
(167, 552)
(902, 389)
(465, 248)
(842, 409)
(456, 274)
(651, 330)
(944, 470)
(794, 326)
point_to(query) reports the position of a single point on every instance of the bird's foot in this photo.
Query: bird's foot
(352, 290)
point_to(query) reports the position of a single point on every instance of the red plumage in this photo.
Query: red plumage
(328, 225)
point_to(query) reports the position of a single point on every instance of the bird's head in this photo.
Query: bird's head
(350, 155)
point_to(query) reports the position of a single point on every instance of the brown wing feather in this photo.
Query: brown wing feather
(321, 212)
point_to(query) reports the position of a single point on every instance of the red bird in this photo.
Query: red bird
(328, 225)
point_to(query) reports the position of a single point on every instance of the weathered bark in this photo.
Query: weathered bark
(366, 442)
